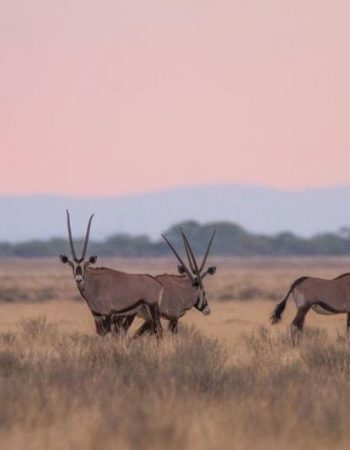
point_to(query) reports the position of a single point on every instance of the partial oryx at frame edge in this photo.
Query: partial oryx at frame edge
(109, 291)
(322, 295)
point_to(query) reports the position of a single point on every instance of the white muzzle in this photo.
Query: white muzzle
(206, 311)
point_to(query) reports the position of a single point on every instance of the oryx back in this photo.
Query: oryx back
(324, 296)
(110, 291)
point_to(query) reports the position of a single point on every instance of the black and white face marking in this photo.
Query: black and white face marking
(78, 266)
(202, 304)
(78, 272)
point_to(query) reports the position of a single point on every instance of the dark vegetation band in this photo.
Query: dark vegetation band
(230, 240)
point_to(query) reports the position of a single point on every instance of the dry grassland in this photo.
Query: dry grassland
(226, 381)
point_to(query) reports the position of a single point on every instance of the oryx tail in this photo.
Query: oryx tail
(278, 311)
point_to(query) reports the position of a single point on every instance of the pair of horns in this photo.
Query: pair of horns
(194, 268)
(71, 238)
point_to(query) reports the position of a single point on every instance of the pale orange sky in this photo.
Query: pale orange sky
(114, 97)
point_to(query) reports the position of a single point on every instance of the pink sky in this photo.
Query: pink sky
(114, 97)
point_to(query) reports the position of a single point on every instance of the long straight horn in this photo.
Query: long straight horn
(70, 237)
(207, 252)
(87, 237)
(187, 252)
(178, 258)
(196, 270)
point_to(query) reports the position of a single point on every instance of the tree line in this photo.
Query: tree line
(231, 240)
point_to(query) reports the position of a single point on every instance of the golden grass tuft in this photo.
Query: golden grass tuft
(228, 380)
(72, 390)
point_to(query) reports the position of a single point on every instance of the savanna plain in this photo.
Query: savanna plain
(226, 381)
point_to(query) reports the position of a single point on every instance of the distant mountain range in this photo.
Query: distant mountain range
(258, 209)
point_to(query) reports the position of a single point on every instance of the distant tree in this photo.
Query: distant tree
(344, 232)
(230, 239)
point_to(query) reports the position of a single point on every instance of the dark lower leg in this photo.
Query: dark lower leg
(128, 322)
(102, 326)
(155, 313)
(173, 326)
(298, 322)
(348, 324)
(118, 322)
(146, 327)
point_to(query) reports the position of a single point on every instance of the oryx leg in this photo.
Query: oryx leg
(103, 325)
(173, 326)
(153, 324)
(298, 323)
(348, 324)
(118, 324)
(146, 327)
(156, 323)
(128, 322)
(122, 324)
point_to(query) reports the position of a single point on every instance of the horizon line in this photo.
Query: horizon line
(177, 188)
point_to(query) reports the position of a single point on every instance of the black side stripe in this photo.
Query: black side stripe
(327, 307)
(120, 311)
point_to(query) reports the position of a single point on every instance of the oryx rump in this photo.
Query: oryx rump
(321, 295)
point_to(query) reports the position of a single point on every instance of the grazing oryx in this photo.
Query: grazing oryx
(181, 292)
(323, 296)
(108, 291)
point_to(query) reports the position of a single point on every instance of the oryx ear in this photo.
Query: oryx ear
(92, 259)
(211, 270)
(64, 259)
(181, 269)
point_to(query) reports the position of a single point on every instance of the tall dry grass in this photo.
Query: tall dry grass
(227, 383)
(62, 390)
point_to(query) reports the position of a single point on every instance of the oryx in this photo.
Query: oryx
(321, 295)
(110, 292)
(184, 291)
(181, 292)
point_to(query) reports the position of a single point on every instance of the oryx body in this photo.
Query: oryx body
(179, 296)
(111, 292)
(108, 291)
(181, 292)
(321, 295)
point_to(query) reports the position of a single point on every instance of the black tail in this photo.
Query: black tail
(276, 316)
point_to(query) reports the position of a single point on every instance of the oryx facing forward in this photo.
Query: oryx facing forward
(323, 296)
(110, 292)
(181, 292)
